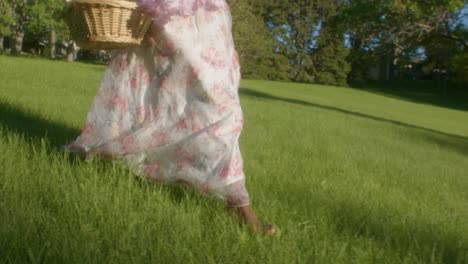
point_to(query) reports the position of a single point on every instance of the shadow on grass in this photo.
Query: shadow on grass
(252, 93)
(432, 242)
(35, 129)
(33, 126)
(426, 92)
(456, 144)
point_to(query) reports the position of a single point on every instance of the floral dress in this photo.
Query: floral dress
(173, 112)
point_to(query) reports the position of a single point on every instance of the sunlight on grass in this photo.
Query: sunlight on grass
(348, 176)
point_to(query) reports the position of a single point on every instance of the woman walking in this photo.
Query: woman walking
(170, 108)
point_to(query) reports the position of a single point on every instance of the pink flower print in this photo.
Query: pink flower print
(238, 125)
(128, 144)
(86, 133)
(119, 102)
(194, 75)
(145, 79)
(163, 83)
(184, 157)
(235, 77)
(218, 155)
(87, 129)
(161, 58)
(140, 69)
(159, 138)
(237, 167)
(182, 125)
(213, 130)
(152, 169)
(117, 63)
(156, 113)
(180, 164)
(196, 127)
(86, 139)
(218, 91)
(225, 106)
(185, 154)
(235, 59)
(214, 58)
(123, 64)
(225, 172)
(133, 83)
(233, 169)
(193, 122)
(142, 112)
(141, 77)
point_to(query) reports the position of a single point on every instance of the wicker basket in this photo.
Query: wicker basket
(106, 24)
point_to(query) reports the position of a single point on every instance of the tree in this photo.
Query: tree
(6, 21)
(46, 22)
(389, 28)
(255, 45)
(297, 28)
(459, 67)
(21, 18)
(37, 18)
(330, 65)
(293, 25)
(329, 56)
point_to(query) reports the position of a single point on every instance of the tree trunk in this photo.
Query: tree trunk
(388, 62)
(52, 44)
(70, 51)
(16, 41)
(1, 42)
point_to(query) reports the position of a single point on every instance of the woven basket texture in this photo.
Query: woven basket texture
(106, 24)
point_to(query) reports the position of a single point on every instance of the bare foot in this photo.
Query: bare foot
(269, 230)
(247, 215)
(79, 150)
(84, 154)
(103, 155)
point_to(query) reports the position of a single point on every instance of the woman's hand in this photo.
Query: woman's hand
(156, 41)
(149, 40)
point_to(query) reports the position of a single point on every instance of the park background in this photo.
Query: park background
(314, 41)
(355, 144)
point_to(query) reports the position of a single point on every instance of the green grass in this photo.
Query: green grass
(349, 176)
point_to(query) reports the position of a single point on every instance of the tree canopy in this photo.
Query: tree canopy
(321, 41)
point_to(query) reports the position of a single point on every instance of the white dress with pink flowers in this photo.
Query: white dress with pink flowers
(173, 113)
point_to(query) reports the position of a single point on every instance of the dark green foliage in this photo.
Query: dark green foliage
(293, 25)
(32, 19)
(255, 45)
(46, 15)
(459, 67)
(6, 17)
(304, 40)
(383, 32)
(330, 62)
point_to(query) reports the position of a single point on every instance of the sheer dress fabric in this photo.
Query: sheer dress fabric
(172, 112)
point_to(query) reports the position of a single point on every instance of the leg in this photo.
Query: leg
(83, 154)
(248, 216)
(78, 150)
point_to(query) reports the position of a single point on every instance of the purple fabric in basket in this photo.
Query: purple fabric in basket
(163, 10)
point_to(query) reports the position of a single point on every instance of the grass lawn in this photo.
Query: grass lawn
(348, 175)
